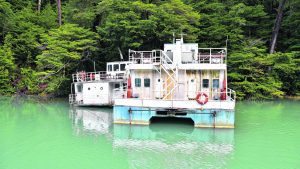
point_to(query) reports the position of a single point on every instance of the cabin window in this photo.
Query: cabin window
(147, 82)
(137, 82)
(123, 67)
(109, 68)
(205, 83)
(89, 88)
(215, 83)
(79, 88)
(117, 85)
(116, 67)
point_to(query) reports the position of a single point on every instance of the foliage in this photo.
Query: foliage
(64, 46)
(139, 25)
(6, 68)
(251, 75)
(37, 56)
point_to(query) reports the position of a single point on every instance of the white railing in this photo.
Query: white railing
(212, 55)
(145, 57)
(96, 76)
(204, 56)
(229, 95)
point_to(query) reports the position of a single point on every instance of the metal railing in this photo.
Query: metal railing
(145, 57)
(203, 56)
(228, 95)
(96, 76)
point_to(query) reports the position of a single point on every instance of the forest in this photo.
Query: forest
(42, 42)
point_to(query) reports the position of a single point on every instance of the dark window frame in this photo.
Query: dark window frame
(148, 83)
(116, 67)
(218, 84)
(205, 84)
(137, 82)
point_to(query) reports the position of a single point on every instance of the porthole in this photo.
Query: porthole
(101, 88)
(89, 88)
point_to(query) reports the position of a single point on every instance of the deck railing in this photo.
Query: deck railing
(230, 95)
(96, 76)
(203, 56)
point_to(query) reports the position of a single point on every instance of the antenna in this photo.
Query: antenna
(121, 56)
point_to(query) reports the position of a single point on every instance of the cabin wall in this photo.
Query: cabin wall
(190, 83)
(142, 91)
(96, 93)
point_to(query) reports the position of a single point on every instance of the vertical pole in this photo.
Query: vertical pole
(59, 11)
(209, 56)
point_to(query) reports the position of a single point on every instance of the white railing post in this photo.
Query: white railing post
(210, 56)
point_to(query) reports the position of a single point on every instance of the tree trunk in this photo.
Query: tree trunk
(39, 6)
(59, 11)
(277, 26)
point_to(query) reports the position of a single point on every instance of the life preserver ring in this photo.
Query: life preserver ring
(202, 98)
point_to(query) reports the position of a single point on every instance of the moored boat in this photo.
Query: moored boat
(182, 81)
(99, 88)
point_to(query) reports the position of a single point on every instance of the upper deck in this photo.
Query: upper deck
(183, 55)
(116, 71)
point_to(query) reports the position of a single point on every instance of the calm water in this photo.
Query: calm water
(50, 135)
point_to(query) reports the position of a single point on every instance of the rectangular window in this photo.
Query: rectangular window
(79, 88)
(205, 83)
(117, 85)
(137, 82)
(116, 67)
(123, 67)
(147, 82)
(215, 83)
(109, 68)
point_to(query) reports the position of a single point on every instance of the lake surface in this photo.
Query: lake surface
(51, 135)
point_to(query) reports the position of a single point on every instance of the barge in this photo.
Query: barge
(181, 81)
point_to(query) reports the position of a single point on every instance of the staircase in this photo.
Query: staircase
(165, 65)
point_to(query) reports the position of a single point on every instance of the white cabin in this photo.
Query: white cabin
(99, 88)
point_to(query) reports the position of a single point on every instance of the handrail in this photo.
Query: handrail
(204, 56)
(96, 76)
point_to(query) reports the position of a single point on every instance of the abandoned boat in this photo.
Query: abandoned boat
(99, 88)
(181, 81)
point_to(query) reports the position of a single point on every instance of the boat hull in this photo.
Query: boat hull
(208, 117)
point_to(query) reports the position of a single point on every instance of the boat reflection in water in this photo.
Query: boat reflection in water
(165, 143)
(91, 120)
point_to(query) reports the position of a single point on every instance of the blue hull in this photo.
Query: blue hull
(213, 118)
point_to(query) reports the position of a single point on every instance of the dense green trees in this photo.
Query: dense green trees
(37, 55)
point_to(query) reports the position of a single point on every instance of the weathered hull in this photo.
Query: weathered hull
(211, 118)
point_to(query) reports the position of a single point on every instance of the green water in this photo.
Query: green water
(50, 135)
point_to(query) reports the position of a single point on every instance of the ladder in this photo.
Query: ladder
(171, 82)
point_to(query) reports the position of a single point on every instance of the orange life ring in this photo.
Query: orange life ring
(200, 100)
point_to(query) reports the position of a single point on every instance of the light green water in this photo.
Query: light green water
(50, 135)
